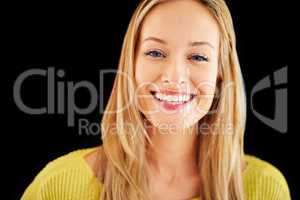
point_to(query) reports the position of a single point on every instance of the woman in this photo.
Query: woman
(174, 124)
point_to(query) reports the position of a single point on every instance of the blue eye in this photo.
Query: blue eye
(199, 58)
(155, 54)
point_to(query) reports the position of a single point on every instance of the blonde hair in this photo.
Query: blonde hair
(220, 154)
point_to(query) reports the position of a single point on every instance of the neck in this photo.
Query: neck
(173, 155)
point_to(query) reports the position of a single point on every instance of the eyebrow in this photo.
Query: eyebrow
(200, 43)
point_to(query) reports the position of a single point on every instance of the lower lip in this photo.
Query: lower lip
(169, 106)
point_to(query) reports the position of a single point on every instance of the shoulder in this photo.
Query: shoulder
(262, 180)
(62, 177)
(66, 163)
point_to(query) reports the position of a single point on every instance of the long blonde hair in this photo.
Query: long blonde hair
(221, 154)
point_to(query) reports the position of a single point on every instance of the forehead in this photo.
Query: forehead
(180, 21)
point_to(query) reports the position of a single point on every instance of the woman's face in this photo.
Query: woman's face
(176, 64)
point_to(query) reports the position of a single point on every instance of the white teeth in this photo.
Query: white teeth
(175, 99)
(180, 98)
(158, 95)
(186, 97)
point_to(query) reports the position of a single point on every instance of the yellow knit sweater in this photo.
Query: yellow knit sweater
(69, 177)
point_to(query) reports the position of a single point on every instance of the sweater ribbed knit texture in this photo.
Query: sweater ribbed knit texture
(70, 178)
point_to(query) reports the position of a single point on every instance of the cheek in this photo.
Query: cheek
(145, 76)
(145, 72)
(204, 79)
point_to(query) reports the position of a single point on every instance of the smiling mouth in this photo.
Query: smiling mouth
(173, 98)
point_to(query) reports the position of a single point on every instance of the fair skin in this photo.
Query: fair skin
(175, 39)
(177, 51)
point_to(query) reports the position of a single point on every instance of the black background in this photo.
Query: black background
(81, 39)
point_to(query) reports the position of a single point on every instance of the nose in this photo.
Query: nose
(176, 73)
